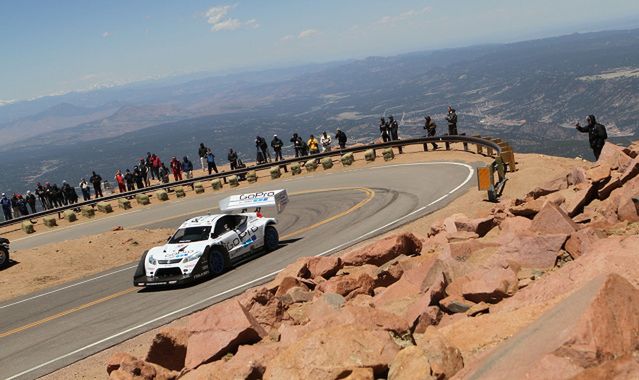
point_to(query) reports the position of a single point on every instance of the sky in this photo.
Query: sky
(53, 47)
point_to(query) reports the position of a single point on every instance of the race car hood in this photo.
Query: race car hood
(177, 251)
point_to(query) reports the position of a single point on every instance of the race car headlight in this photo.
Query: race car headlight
(152, 260)
(192, 257)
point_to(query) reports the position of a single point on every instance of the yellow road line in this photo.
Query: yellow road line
(66, 312)
(369, 196)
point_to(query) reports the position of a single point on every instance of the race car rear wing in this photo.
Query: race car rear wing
(275, 198)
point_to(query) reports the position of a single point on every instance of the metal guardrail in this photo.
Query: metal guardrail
(494, 147)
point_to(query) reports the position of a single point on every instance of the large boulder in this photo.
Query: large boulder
(615, 157)
(625, 367)
(349, 286)
(580, 241)
(551, 220)
(598, 174)
(599, 322)
(533, 251)
(384, 250)
(577, 197)
(219, 330)
(486, 285)
(168, 348)
(331, 352)
(311, 267)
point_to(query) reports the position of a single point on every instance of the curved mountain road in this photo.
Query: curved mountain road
(327, 212)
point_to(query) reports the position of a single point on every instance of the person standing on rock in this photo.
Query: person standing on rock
(96, 180)
(597, 134)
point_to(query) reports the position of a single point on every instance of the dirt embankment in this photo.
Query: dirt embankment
(434, 299)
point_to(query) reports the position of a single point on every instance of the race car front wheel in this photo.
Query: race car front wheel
(218, 261)
(271, 239)
(4, 258)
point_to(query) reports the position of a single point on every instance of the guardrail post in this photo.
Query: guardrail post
(465, 143)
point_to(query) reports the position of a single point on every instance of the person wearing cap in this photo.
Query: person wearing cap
(277, 145)
(6, 207)
(341, 138)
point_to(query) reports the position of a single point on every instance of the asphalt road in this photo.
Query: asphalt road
(327, 212)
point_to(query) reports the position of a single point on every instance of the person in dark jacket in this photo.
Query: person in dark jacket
(341, 138)
(232, 157)
(68, 191)
(451, 118)
(202, 152)
(21, 204)
(148, 162)
(6, 207)
(96, 180)
(138, 178)
(297, 145)
(277, 145)
(41, 193)
(144, 173)
(130, 180)
(384, 130)
(431, 129)
(262, 147)
(597, 134)
(31, 201)
(393, 128)
(163, 173)
(156, 163)
(187, 167)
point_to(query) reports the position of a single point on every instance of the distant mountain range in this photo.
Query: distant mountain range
(530, 93)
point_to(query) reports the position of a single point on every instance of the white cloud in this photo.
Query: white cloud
(390, 20)
(219, 19)
(308, 33)
(287, 37)
(106, 34)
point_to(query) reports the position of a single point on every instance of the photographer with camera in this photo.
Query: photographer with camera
(596, 134)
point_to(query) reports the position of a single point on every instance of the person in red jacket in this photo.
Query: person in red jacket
(119, 178)
(157, 163)
(176, 168)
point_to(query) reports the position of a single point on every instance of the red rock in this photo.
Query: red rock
(633, 149)
(368, 318)
(349, 286)
(576, 176)
(552, 220)
(581, 240)
(536, 251)
(461, 236)
(480, 308)
(330, 352)
(456, 304)
(269, 315)
(296, 295)
(325, 267)
(549, 188)
(286, 284)
(168, 348)
(298, 269)
(480, 226)
(249, 362)
(598, 174)
(259, 295)
(327, 304)
(116, 360)
(360, 374)
(291, 333)
(615, 157)
(515, 225)
(139, 369)
(631, 171)
(219, 330)
(489, 285)
(445, 360)
(577, 198)
(610, 186)
(389, 274)
(599, 322)
(628, 210)
(625, 367)
(384, 250)
(462, 250)
(430, 317)
(528, 209)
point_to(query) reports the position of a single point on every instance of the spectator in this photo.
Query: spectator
(68, 193)
(187, 167)
(144, 173)
(384, 130)
(56, 195)
(148, 162)
(313, 145)
(130, 180)
(14, 206)
(277, 145)
(451, 118)
(262, 150)
(22, 205)
(597, 134)
(176, 169)
(232, 157)
(341, 138)
(202, 152)
(138, 178)
(326, 141)
(31, 201)
(163, 173)
(297, 145)
(119, 179)
(393, 127)
(86, 190)
(40, 192)
(96, 180)
(49, 193)
(431, 129)
(6, 207)
(157, 163)
(108, 190)
(210, 161)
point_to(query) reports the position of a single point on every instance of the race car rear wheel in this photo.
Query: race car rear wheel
(271, 238)
(218, 261)
(4, 258)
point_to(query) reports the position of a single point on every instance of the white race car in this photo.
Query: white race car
(209, 245)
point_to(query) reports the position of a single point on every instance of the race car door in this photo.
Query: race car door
(237, 238)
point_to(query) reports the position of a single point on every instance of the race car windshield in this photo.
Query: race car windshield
(190, 234)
